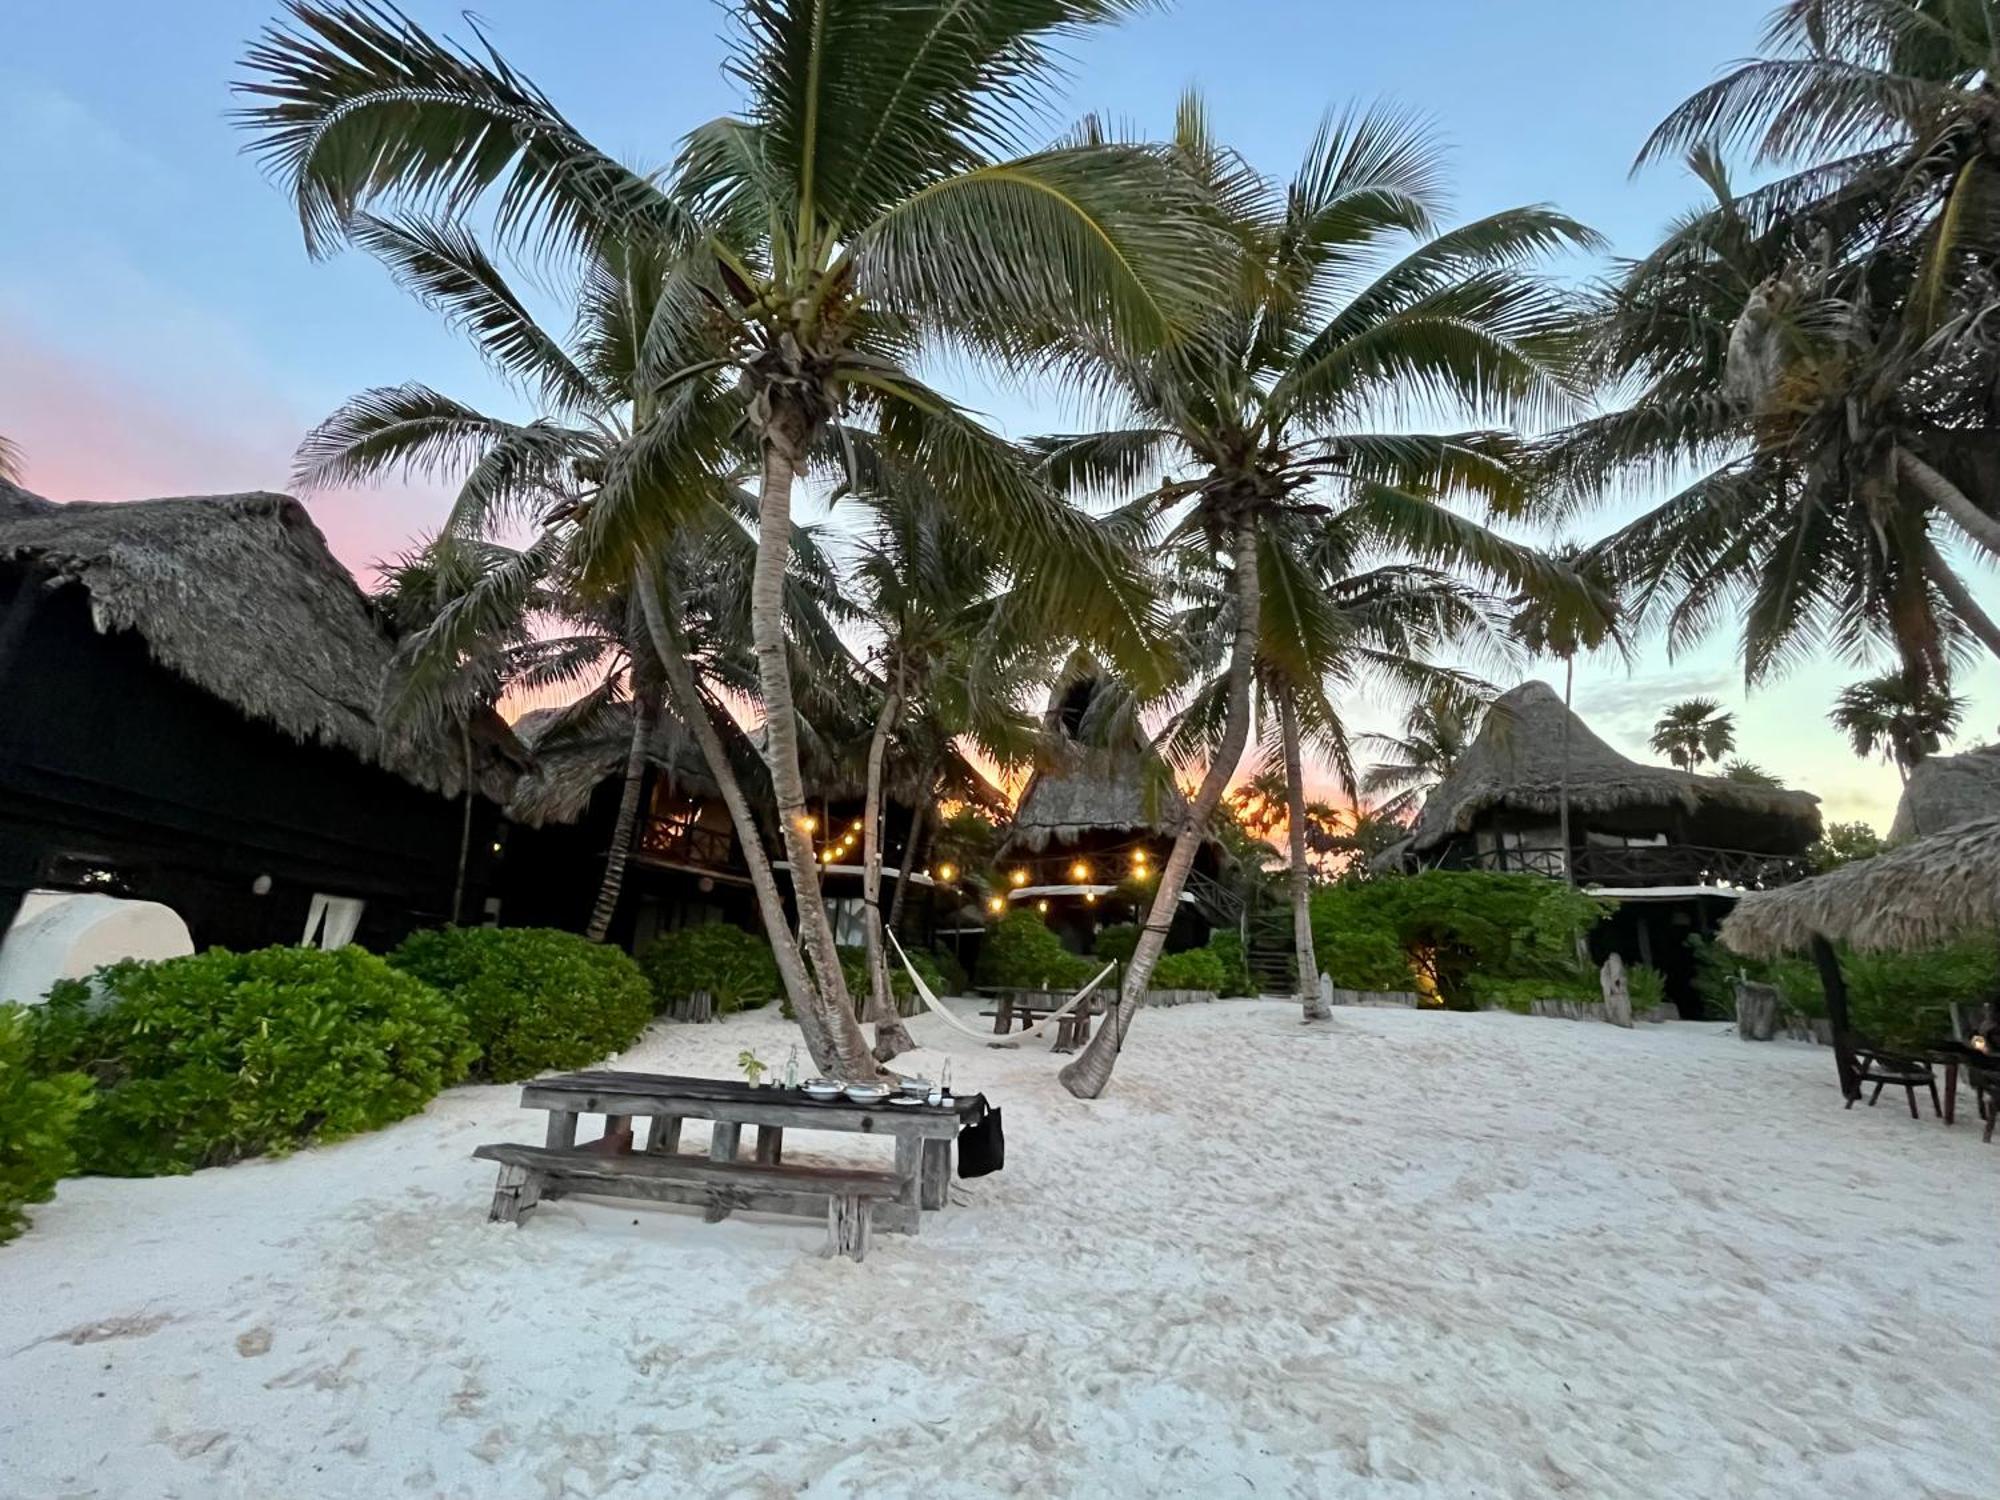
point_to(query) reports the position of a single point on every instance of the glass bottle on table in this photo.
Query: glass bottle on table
(944, 1083)
(792, 1068)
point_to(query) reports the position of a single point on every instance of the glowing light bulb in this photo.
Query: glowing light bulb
(1019, 877)
(946, 872)
(996, 903)
(808, 822)
(1042, 907)
(1079, 871)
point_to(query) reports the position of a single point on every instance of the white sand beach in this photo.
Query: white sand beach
(1404, 1254)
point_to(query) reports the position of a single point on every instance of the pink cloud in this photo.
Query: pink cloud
(93, 434)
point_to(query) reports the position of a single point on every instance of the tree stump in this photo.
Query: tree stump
(1617, 998)
(1756, 1011)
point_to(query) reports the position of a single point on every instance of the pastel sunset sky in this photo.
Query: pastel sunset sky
(162, 330)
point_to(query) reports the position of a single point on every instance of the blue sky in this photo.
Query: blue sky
(162, 330)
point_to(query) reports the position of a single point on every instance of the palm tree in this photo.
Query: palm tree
(678, 612)
(869, 201)
(1692, 731)
(1902, 719)
(1749, 774)
(1280, 394)
(12, 464)
(1438, 728)
(953, 651)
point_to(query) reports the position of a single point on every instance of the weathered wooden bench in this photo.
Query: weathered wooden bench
(529, 1174)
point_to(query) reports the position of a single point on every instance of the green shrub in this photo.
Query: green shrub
(534, 997)
(1193, 969)
(950, 970)
(1021, 951)
(734, 966)
(1117, 942)
(37, 1118)
(1516, 994)
(1227, 946)
(206, 1059)
(1647, 987)
(1901, 999)
(1446, 926)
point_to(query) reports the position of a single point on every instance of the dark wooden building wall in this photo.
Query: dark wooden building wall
(110, 763)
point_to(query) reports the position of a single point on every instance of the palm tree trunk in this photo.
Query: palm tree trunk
(783, 440)
(464, 826)
(913, 848)
(692, 710)
(1963, 604)
(1950, 499)
(891, 1039)
(612, 886)
(1087, 1076)
(1311, 1002)
(1562, 793)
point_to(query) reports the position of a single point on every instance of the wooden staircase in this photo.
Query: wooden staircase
(1268, 948)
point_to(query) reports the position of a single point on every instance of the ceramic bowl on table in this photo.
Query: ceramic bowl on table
(822, 1088)
(914, 1088)
(868, 1093)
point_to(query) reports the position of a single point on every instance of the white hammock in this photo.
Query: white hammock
(924, 994)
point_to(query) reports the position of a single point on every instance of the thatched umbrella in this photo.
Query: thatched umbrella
(1917, 896)
(1517, 762)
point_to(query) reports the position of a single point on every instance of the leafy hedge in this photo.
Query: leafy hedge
(1117, 942)
(37, 1120)
(1192, 969)
(1020, 950)
(206, 1059)
(854, 968)
(535, 998)
(1902, 999)
(1453, 928)
(1227, 946)
(734, 966)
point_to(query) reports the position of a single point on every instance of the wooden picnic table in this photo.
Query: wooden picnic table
(923, 1136)
(1014, 1002)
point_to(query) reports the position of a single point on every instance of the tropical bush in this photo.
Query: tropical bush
(1647, 987)
(1020, 950)
(1447, 926)
(535, 998)
(1227, 946)
(1191, 969)
(1517, 994)
(202, 1060)
(734, 966)
(950, 970)
(37, 1118)
(1117, 942)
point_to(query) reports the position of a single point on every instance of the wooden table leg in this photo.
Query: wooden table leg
(937, 1173)
(562, 1130)
(770, 1144)
(1003, 1018)
(909, 1177)
(618, 1133)
(1950, 1091)
(723, 1140)
(664, 1139)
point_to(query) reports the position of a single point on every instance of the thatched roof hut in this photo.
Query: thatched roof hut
(1946, 790)
(1516, 764)
(1937, 889)
(240, 596)
(1082, 787)
(570, 768)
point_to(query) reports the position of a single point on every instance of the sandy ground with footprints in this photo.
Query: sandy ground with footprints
(1401, 1255)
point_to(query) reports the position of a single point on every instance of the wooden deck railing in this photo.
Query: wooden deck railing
(1647, 865)
(690, 844)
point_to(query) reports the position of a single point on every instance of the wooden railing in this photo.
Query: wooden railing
(690, 844)
(1647, 865)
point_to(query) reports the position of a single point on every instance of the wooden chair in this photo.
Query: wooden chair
(1860, 1061)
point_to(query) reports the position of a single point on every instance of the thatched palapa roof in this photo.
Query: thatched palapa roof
(240, 596)
(569, 770)
(1946, 790)
(1940, 888)
(1516, 763)
(1080, 787)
